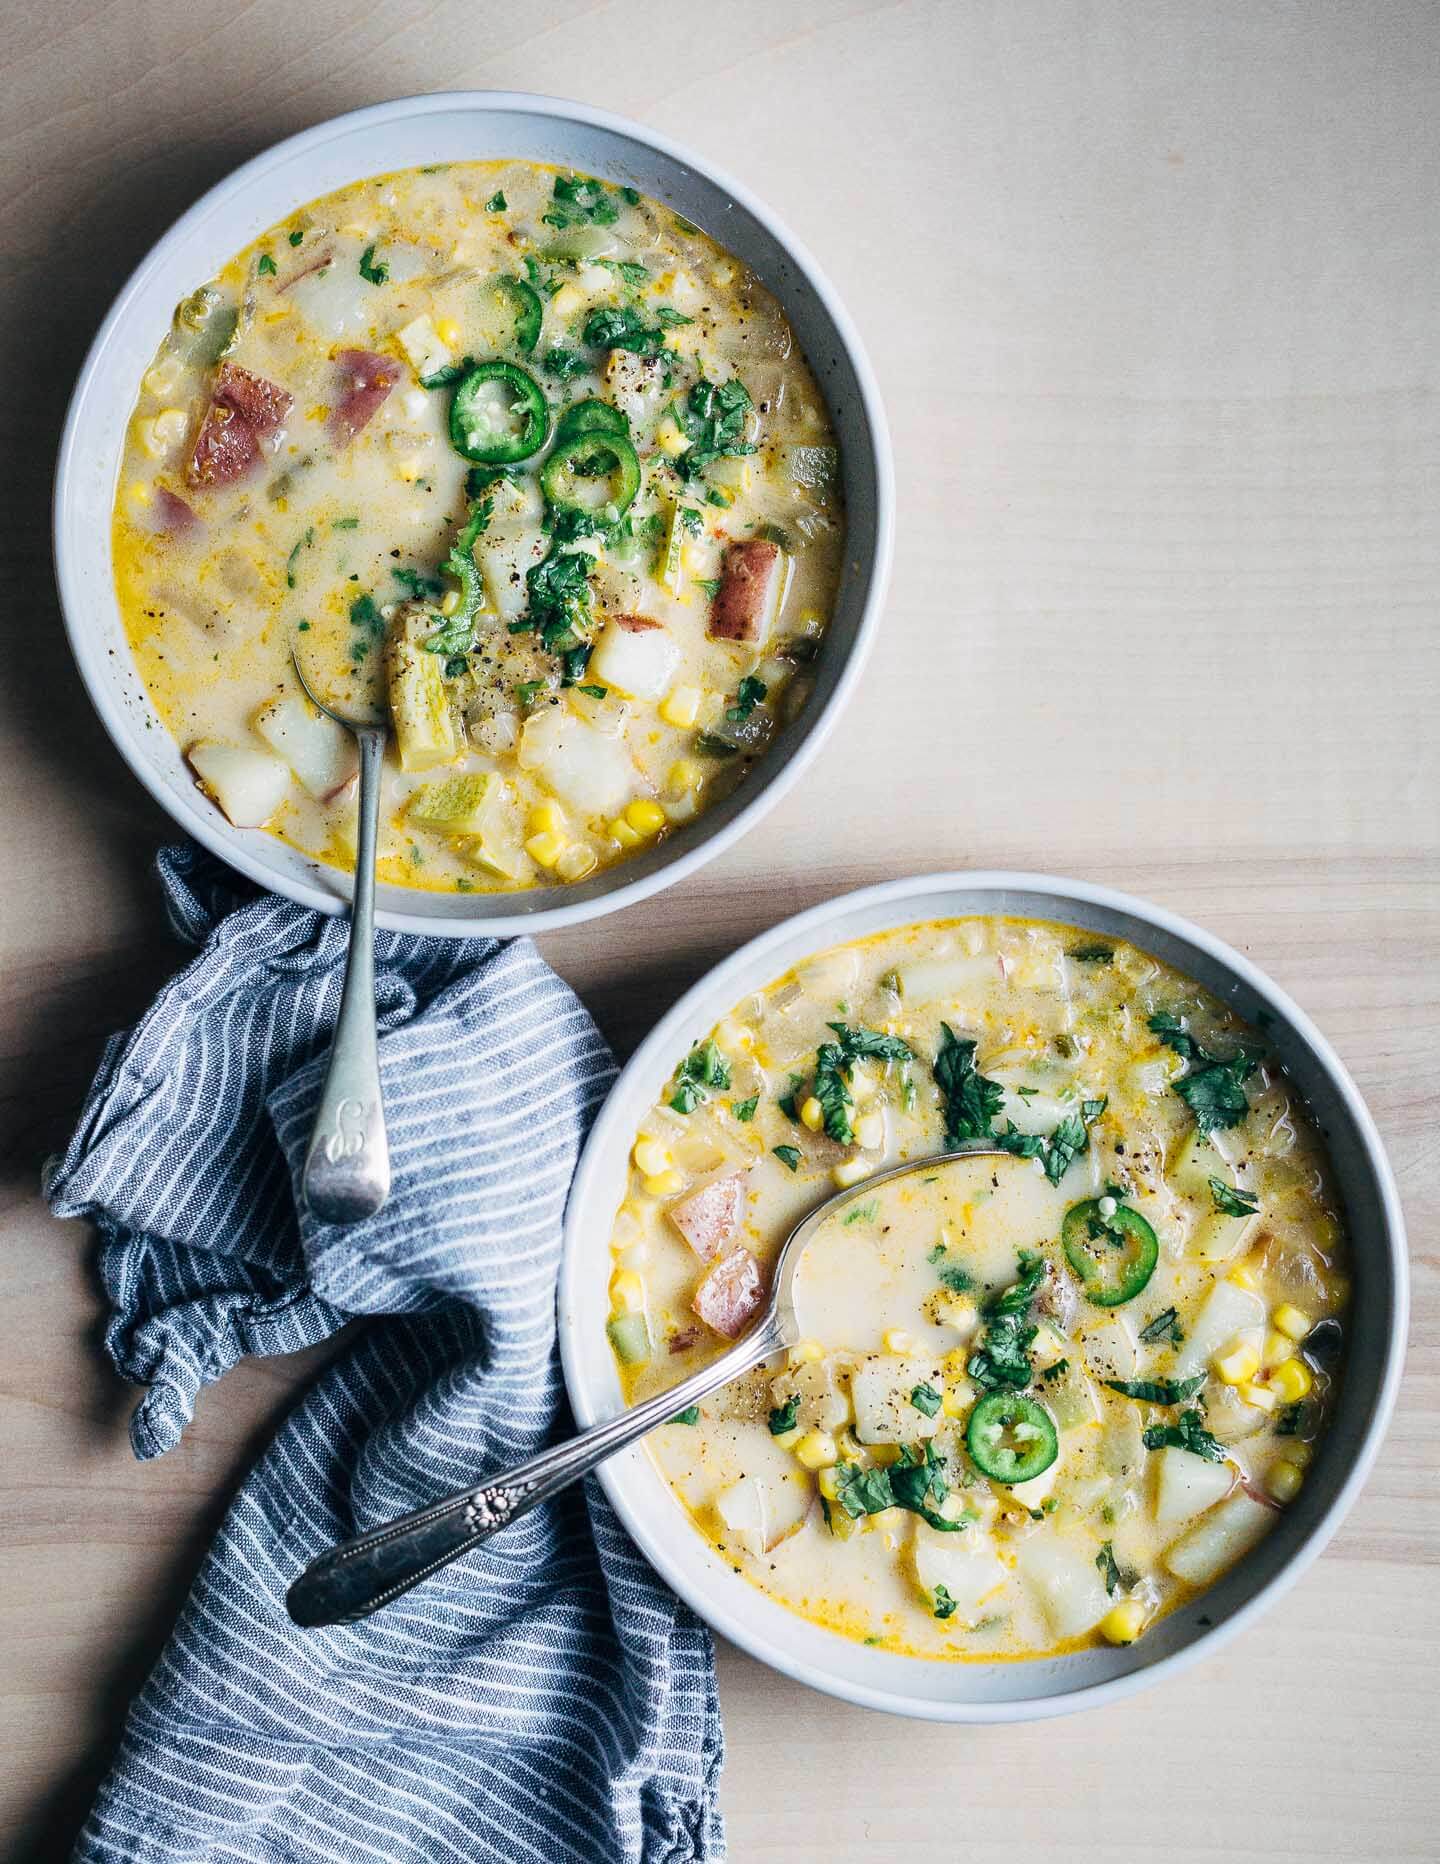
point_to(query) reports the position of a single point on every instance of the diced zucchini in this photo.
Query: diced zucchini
(419, 704)
(248, 785)
(1072, 1398)
(1220, 1539)
(669, 572)
(814, 468)
(630, 1338)
(321, 753)
(1186, 1485)
(456, 805)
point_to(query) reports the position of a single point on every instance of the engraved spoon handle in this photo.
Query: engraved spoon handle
(362, 1575)
(347, 1169)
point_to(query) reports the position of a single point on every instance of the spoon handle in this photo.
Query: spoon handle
(361, 1575)
(347, 1169)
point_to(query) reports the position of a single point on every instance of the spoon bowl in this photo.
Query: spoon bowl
(361, 1575)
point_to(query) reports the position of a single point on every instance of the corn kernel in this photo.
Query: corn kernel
(567, 301)
(545, 848)
(627, 1292)
(576, 862)
(954, 1404)
(787, 1439)
(1290, 1320)
(870, 1131)
(828, 1482)
(683, 776)
(734, 1036)
(722, 274)
(1261, 1397)
(664, 1184)
(816, 1450)
(450, 602)
(805, 1353)
(1282, 1483)
(1276, 1350)
(1123, 1623)
(956, 1310)
(1239, 1362)
(681, 707)
(448, 332)
(851, 1171)
(546, 818)
(897, 1340)
(1244, 1276)
(1302, 1455)
(651, 1158)
(621, 831)
(1292, 1381)
(163, 377)
(812, 1114)
(644, 816)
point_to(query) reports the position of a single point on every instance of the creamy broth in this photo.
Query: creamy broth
(523, 459)
(1039, 1399)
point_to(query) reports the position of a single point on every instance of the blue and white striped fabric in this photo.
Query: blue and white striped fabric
(545, 1699)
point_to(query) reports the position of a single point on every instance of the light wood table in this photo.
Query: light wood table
(1152, 292)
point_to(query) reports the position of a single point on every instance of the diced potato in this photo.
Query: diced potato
(425, 733)
(1110, 1349)
(964, 1563)
(1061, 1576)
(1220, 1539)
(1186, 1485)
(937, 980)
(742, 1508)
(1213, 1235)
(248, 785)
(322, 754)
(457, 805)
(593, 773)
(1227, 1310)
(637, 660)
(1037, 1490)
(880, 1391)
(507, 557)
(423, 348)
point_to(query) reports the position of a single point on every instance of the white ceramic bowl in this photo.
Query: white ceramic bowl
(996, 1692)
(410, 132)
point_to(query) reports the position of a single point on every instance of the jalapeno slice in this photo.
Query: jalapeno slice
(1113, 1250)
(499, 415)
(513, 314)
(591, 417)
(1011, 1438)
(596, 472)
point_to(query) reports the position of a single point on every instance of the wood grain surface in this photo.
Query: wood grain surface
(1152, 293)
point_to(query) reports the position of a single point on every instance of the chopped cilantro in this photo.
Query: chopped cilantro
(971, 1101)
(564, 364)
(1231, 1201)
(750, 693)
(364, 614)
(416, 583)
(496, 203)
(302, 543)
(346, 524)
(1093, 954)
(528, 691)
(629, 270)
(783, 1417)
(265, 265)
(1057, 1371)
(296, 237)
(945, 1606)
(1106, 1566)
(1213, 1087)
(1165, 1326)
(373, 271)
(579, 200)
(621, 327)
(1002, 1360)
(1187, 1433)
(788, 1155)
(702, 1070)
(1157, 1391)
(926, 1399)
(690, 1415)
(713, 417)
(862, 1213)
(745, 1109)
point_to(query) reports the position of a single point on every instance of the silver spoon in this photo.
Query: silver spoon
(362, 1575)
(347, 1168)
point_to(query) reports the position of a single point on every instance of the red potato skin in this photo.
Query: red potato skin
(172, 514)
(709, 1217)
(635, 624)
(225, 448)
(747, 576)
(730, 1293)
(263, 404)
(365, 381)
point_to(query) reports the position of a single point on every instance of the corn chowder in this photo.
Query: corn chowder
(1041, 1398)
(522, 459)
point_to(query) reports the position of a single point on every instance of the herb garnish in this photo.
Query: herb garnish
(745, 1109)
(926, 1400)
(703, 1068)
(301, 543)
(579, 200)
(834, 1066)
(784, 1416)
(788, 1155)
(1165, 1326)
(1002, 1360)
(1106, 1566)
(373, 271)
(496, 203)
(945, 1606)
(1157, 1391)
(1231, 1201)
(1188, 1432)
(713, 417)
(265, 266)
(1213, 1087)
(690, 1415)
(750, 693)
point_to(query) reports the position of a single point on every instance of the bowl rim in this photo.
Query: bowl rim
(229, 844)
(715, 991)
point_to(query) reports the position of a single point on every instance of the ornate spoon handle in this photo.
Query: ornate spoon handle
(361, 1575)
(347, 1169)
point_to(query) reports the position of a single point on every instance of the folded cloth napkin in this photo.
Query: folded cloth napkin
(545, 1699)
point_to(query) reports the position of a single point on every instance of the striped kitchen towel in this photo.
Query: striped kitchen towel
(545, 1699)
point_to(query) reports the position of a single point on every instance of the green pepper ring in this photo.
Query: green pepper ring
(1133, 1269)
(591, 416)
(626, 469)
(508, 448)
(1004, 1462)
(529, 312)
